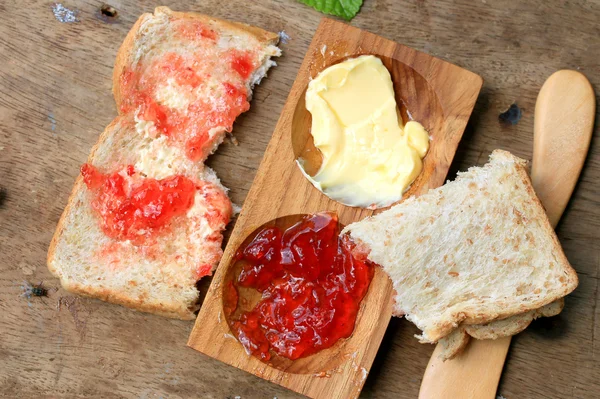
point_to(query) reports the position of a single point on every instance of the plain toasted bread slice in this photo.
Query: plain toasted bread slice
(475, 250)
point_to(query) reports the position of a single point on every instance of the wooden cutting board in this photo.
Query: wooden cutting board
(436, 93)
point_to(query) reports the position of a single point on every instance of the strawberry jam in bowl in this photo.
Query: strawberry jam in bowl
(295, 288)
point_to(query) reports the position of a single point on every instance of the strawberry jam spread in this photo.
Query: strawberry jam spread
(192, 98)
(311, 289)
(134, 211)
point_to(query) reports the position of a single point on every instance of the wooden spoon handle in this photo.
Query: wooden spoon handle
(564, 121)
(474, 374)
(563, 127)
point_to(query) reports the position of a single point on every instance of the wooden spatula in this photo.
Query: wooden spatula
(564, 119)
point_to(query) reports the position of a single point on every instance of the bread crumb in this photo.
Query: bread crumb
(364, 374)
(108, 10)
(284, 38)
(236, 209)
(63, 14)
(52, 122)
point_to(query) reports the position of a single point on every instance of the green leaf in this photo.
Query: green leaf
(346, 9)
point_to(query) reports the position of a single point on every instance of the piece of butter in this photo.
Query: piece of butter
(369, 157)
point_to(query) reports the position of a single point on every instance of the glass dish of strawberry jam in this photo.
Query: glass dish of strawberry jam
(295, 289)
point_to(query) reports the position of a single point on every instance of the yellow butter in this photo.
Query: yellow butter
(369, 157)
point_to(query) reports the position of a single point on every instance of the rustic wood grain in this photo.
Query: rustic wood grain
(439, 95)
(55, 99)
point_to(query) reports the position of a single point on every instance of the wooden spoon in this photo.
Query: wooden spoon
(564, 120)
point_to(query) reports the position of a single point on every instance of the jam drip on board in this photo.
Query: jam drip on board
(311, 289)
(136, 208)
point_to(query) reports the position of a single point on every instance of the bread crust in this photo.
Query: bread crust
(122, 57)
(264, 37)
(454, 344)
(70, 202)
(179, 312)
(514, 324)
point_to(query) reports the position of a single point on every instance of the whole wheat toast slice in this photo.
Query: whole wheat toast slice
(475, 250)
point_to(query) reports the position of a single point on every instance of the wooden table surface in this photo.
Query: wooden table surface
(55, 99)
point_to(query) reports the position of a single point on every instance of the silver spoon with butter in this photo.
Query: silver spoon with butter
(369, 157)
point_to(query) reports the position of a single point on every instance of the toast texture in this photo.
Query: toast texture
(454, 343)
(514, 324)
(196, 41)
(157, 277)
(159, 274)
(475, 250)
(137, 43)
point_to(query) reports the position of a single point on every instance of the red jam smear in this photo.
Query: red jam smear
(218, 206)
(137, 212)
(190, 127)
(195, 30)
(241, 62)
(199, 144)
(311, 289)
